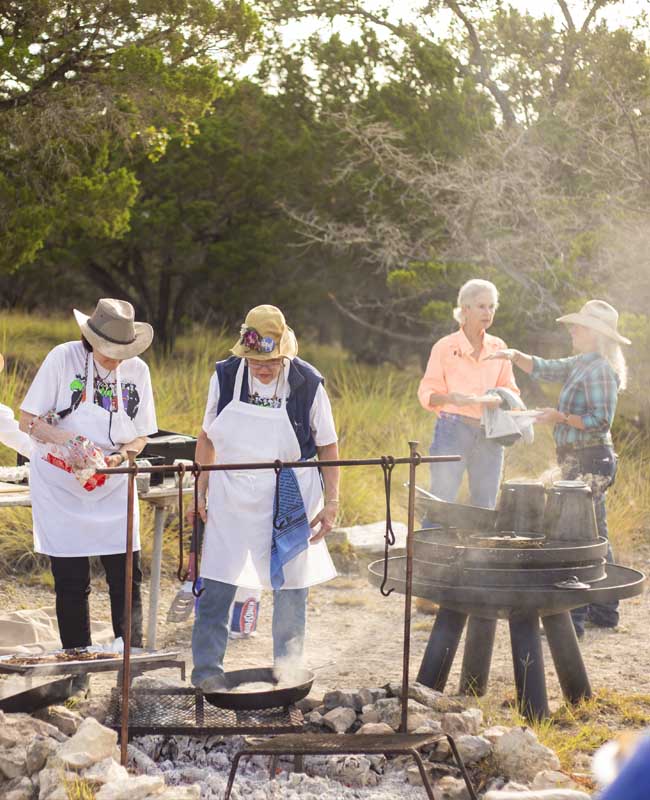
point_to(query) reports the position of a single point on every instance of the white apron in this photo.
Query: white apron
(238, 533)
(68, 520)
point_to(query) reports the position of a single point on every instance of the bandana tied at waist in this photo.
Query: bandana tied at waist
(291, 530)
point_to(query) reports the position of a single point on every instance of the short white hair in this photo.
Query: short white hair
(469, 292)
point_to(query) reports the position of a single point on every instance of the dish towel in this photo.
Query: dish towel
(291, 531)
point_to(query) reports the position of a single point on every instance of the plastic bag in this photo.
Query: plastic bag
(79, 456)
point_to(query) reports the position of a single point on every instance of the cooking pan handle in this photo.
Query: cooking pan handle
(387, 464)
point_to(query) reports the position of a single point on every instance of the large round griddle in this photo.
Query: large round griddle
(452, 545)
(503, 603)
(273, 698)
(461, 574)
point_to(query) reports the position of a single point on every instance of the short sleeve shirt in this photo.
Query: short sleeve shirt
(60, 383)
(321, 419)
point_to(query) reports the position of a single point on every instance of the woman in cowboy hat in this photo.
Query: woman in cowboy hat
(10, 434)
(101, 390)
(592, 379)
(264, 403)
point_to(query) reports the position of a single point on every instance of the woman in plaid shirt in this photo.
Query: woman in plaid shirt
(591, 380)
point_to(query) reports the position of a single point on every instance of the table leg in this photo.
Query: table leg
(159, 518)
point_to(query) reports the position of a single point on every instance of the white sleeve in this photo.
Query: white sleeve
(42, 395)
(213, 402)
(145, 420)
(321, 419)
(10, 433)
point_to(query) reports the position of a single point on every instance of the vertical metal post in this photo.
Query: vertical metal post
(409, 587)
(128, 601)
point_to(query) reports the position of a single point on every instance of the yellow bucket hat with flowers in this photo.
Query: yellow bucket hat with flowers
(265, 335)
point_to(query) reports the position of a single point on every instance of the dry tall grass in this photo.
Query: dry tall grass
(376, 413)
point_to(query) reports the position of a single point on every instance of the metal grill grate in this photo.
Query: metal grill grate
(185, 712)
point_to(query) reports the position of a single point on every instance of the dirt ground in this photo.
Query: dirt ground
(355, 636)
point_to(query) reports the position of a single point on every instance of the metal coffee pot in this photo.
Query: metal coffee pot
(521, 506)
(570, 514)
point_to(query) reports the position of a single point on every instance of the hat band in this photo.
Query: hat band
(108, 338)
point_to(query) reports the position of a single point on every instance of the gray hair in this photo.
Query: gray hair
(469, 292)
(612, 353)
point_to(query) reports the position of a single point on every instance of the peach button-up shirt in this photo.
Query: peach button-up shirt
(453, 368)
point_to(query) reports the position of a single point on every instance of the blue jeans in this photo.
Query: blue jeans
(597, 467)
(210, 632)
(481, 457)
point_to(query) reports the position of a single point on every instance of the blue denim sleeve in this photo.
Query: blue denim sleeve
(554, 370)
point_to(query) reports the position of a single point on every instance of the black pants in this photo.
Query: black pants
(72, 587)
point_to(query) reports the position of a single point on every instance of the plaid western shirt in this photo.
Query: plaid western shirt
(590, 391)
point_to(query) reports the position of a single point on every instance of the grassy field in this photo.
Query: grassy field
(376, 412)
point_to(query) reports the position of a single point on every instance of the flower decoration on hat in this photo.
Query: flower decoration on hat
(251, 340)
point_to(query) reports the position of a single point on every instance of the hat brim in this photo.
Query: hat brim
(143, 339)
(594, 324)
(288, 348)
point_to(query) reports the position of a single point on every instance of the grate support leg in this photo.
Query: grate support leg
(477, 658)
(528, 662)
(441, 649)
(423, 774)
(564, 647)
(233, 772)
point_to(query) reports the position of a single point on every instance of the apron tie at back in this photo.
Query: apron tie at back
(291, 530)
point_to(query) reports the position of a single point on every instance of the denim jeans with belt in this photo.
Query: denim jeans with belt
(481, 457)
(596, 466)
(210, 632)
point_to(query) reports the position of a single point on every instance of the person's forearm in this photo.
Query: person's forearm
(331, 475)
(438, 399)
(523, 361)
(204, 454)
(41, 431)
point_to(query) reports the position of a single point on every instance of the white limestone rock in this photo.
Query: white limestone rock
(133, 788)
(314, 718)
(449, 788)
(38, 752)
(140, 762)
(431, 726)
(18, 789)
(354, 770)
(105, 771)
(390, 712)
(552, 779)
(430, 698)
(339, 699)
(12, 762)
(49, 779)
(91, 743)
(375, 728)
(495, 732)
(473, 748)
(370, 714)
(62, 718)
(340, 720)
(520, 756)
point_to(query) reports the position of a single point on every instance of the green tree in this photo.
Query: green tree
(82, 82)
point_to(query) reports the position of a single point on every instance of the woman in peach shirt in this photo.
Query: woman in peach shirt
(454, 386)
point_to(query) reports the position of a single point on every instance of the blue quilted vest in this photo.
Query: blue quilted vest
(304, 381)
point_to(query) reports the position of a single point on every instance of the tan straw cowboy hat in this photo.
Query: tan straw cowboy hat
(599, 316)
(112, 330)
(265, 335)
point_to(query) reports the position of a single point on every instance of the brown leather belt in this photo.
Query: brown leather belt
(473, 422)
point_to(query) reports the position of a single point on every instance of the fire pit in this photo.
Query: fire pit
(486, 576)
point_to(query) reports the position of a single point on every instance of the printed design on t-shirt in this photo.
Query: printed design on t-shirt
(105, 395)
(256, 399)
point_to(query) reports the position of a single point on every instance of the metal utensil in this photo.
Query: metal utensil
(453, 515)
(183, 603)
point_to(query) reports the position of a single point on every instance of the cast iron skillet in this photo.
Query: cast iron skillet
(273, 698)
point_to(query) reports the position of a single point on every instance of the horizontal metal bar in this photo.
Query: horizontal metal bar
(349, 462)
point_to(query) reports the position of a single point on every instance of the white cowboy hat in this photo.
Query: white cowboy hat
(599, 316)
(112, 330)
